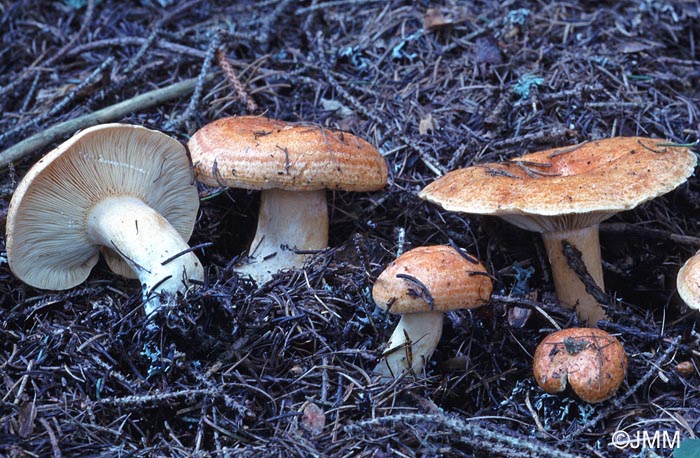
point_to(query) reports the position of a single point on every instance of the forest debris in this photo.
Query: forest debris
(313, 418)
(114, 112)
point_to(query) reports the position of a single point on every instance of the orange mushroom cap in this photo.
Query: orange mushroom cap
(566, 188)
(255, 152)
(590, 360)
(451, 279)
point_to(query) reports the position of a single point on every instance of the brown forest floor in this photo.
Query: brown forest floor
(239, 365)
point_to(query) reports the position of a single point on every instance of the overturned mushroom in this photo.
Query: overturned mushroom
(122, 190)
(293, 165)
(590, 360)
(421, 285)
(564, 194)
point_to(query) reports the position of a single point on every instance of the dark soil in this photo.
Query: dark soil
(240, 370)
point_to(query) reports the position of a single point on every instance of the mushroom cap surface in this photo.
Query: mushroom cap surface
(254, 152)
(452, 282)
(592, 361)
(688, 282)
(47, 241)
(566, 188)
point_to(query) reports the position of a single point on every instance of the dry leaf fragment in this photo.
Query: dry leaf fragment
(434, 19)
(426, 125)
(313, 418)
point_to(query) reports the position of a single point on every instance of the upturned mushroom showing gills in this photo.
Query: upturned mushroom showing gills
(293, 165)
(589, 360)
(564, 194)
(122, 190)
(421, 285)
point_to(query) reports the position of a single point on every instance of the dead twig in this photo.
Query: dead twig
(573, 257)
(654, 234)
(424, 293)
(479, 437)
(52, 438)
(63, 103)
(152, 399)
(108, 114)
(59, 54)
(199, 86)
(233, 79)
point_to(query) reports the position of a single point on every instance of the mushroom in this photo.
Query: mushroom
(590, 360)
(293, 165)
(688, 282)
(420, 285)
(564, 194)
(122, 190)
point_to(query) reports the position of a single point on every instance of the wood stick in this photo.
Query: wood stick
(654, 234)
(107, 114)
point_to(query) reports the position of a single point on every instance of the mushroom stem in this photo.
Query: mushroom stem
(423, 331)
(570, 289)
(144, 239)
(288, 221)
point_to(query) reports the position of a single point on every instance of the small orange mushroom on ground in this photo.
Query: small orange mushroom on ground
(685, 368)
(590, 360)
(421, 285)
(564, 194)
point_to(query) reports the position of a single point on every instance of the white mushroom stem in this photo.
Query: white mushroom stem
(411, 344)
(570, 289)
(145, 240)
(288, 221)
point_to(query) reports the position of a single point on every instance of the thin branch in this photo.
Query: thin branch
(479, 437)
(108, 114)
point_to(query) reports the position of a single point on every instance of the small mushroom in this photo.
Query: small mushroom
(122, 190)
(421, 285)
(564, 194)
(590, 360)
(688, 282)
(685, 368)
(293, 165)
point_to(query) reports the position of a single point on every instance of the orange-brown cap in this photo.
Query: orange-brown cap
(688, 282)
(254, 152)
(432, 278)
(592, 361)
(566, 188)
